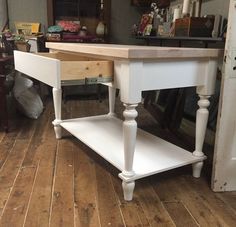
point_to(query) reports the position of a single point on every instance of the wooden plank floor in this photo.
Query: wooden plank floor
(45, 182)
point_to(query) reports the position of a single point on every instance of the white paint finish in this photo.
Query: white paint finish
(57, 95)
(129, 138)
(225, 148)
(173, 73)
(224, 167)
(152, 155)
(135, 69)
(233, 62)
(128, 188)
(44, 69)
(133, 77)
(209, 80)
(112, 98)
(201, 124)
(197, 168)
(128, 78)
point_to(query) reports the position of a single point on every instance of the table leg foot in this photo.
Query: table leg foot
(128, 189)
(57, 130)
(197, 168)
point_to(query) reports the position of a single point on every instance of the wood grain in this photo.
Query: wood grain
(10, 170)
(78, 67)
(39, 213)
(113, 51)
(7, 144)
(74, 70)
(153, 207)
(170, 190)
(62, 213)
(212, 200)
(179, 214)
(37, 139)
(86, 208)
(108, 207)
(17, 204)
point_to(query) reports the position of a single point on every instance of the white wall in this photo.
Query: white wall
(28, 11)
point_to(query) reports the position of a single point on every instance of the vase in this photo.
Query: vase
(100, 30)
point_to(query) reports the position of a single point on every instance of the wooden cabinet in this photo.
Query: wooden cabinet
(88, 12)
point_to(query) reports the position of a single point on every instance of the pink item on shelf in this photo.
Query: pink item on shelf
(69, 26)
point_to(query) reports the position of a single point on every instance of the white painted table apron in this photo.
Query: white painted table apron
(134, 152)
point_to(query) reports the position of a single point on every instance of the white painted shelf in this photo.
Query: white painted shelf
(103, 134)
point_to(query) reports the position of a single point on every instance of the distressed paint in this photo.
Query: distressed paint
(224, 166)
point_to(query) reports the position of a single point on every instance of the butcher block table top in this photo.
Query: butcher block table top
(135, 52)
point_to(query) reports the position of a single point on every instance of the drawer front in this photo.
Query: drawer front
(44, 69)
(52, 68)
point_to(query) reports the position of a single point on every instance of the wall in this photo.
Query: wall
(123, 16)
(3, 14)
(215, 7)
(28, 11)
(211, 7)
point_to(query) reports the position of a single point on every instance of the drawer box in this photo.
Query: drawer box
(59, 68)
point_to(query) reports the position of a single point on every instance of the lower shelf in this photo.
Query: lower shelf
(103, 134)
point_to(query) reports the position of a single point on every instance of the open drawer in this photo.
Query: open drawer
(56, 69)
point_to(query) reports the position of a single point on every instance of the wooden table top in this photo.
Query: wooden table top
(135, 52)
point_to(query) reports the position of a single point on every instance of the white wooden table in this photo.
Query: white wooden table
(134, 152)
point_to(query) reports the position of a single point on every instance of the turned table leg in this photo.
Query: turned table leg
(57, 95)
(201, 126)
(129, 137)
